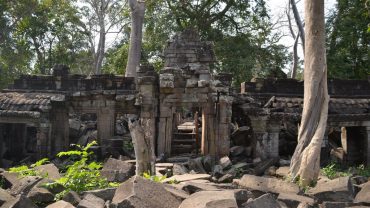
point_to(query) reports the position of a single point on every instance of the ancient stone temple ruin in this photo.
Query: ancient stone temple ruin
(192, 110)
(272, 108)
(186, 82)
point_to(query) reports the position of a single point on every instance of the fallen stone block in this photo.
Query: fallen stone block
(187, 177)
(191, 187)
(19, 202)
(138, 192)
(208, 163)
(227, 178)
(293, 200)
(271, 185)
(179, 169)
(339, 205)
(264, 165)
(72, 197)
(105, 194)
(225, 162)
(242, 196)
(90, 201)
(196, 165)
(60, 204)
(264, 201)
(50, 170)
(210, 199)
(9, 179)
(24, 185)
(40, 194)
(364, 195)
(117, 170)
(282, 172)
(5, 196)
(337, 190)
(178, 193)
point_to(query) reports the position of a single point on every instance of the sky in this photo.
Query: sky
(277, 11)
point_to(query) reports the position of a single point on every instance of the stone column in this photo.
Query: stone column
(272, 142)
(106, 118)
(223, 130)
(368, 146)
(43, 143)
(208, 144)
(259, 126)
(165, 130)
(60, 130)
(148, 113)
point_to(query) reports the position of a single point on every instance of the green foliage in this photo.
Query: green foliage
(39, 34)
(155, 178)
(360, 170)
(25, 170)
(241, 31)
(348, 40)
(333, 171)
(83, 174)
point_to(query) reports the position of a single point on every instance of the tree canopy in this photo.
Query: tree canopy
(37, 34)
(348, 40)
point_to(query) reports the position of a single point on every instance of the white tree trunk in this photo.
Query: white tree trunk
(293, 75)
(101, 45)
(299, 22)
(305, 163)
(134, 54)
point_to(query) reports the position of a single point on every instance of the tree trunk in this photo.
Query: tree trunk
(295, 58)
(299, 22)
(134, 54)
(305, 164)
(101, 49)
(99, 56)
(143, 145)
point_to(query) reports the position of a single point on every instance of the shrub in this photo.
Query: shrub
(334, 171)
(83, 174)
(25, 170)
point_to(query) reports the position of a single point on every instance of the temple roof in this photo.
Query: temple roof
(15, 101)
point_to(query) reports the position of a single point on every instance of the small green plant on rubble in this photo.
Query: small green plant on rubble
(25, 170)
(155, 178)
(83, 174)
(360, 170)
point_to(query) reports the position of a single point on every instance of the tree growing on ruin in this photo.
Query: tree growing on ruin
(137, 17)
(141, 129)
(305, 164)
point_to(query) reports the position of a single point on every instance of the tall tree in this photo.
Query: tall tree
(305, 164)
(295, 58)
(240, 29)
(142, 130)
(298, 21)
(102, 17)
(137, 19)
(348, 40)
(14, 54)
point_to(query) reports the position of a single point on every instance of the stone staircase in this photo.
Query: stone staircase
(185, 139)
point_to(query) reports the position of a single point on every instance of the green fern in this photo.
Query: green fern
(82, 175)
(24, 170)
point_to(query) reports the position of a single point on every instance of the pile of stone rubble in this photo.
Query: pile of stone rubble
(197, 183)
